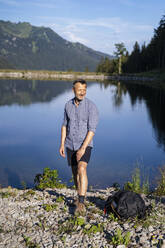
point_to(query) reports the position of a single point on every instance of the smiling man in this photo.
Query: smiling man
(78, 129)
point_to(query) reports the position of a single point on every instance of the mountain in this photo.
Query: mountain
(23, 46)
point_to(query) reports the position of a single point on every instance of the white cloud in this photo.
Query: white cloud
(116, 24)
(74, 38)
(144, 27)
(102, 33)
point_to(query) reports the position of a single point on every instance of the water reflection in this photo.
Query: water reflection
(155, 102)
(154, 98)
(131, 127)
(25, 92)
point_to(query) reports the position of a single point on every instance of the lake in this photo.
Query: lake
(130, 133)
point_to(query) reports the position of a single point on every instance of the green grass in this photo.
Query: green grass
(60, 199)
(154, 73)
(140, 183)
(160, 190)
(29, 243)
(50, 207)
(71, 225)
(8, 193)
(120, 238)
(136, 185)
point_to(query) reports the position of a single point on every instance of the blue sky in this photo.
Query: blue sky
(98, 24)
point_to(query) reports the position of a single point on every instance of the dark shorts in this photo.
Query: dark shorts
(71, 156)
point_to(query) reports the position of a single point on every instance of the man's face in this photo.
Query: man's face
(79, 91)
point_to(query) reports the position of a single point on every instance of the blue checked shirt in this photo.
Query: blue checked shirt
(78, 121)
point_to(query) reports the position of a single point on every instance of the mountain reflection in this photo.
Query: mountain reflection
(25, 92)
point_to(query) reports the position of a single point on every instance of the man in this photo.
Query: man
(78, 129)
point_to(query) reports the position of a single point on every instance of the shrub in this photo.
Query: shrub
(49, 179)
(120, 239)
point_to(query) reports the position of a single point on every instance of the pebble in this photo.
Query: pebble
(24, 217)
(150, 229)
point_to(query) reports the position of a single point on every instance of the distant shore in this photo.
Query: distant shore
(60, 75)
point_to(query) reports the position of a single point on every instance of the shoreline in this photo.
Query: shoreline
(54, 75)
(33, 218)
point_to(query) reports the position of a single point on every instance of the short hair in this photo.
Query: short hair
(81, 81)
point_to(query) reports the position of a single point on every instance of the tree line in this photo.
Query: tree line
(141, 59)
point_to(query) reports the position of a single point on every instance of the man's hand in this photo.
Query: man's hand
(80, 153)
(62, 151)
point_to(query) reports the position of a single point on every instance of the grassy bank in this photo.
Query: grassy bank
(158, 74)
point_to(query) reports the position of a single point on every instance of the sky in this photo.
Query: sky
(98, 24)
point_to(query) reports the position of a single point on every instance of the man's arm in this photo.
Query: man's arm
(86, 142)
(63, 137)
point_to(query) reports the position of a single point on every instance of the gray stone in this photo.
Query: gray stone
(19, 218)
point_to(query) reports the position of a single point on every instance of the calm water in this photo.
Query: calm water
(131, 130)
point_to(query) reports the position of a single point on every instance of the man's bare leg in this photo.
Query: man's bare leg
(80, 178)
(82, 188)
(76, 178)
(83, 179)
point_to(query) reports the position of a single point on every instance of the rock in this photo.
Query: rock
(138, 229)
(150, 229)
(163, 244)
(126, 226)
(24, 219)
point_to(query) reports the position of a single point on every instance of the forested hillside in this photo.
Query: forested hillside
(23, 46)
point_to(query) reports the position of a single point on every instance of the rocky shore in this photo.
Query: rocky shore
(32, 218)
(50, 75)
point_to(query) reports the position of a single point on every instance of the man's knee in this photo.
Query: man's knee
(82, 167)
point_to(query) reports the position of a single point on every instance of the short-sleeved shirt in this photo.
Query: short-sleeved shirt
(78, 121)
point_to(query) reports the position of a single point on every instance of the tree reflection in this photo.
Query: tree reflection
(154, 99)
(152, 96)
(118, 95)
(119, 90)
